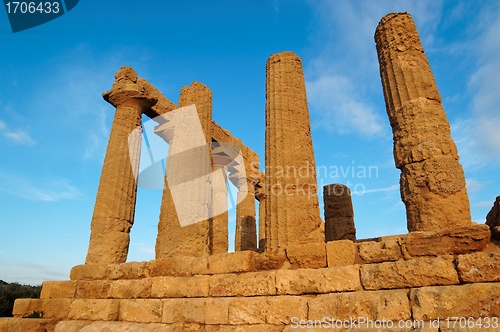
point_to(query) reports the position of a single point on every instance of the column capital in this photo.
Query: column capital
(128, 90)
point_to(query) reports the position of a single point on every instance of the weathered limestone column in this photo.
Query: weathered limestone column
(339, 214)
(432, 179)
(219, 206)
(246, 231)
(115, 202)
(292, 208)
(173, 237)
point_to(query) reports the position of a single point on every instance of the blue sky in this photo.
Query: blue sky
(54, 124)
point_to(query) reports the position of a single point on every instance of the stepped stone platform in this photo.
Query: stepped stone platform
(418, 277)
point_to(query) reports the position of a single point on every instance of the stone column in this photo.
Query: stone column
(432, 179)
(115, 202)
(292, 209)
(246, 231)
(219, 205)
(189, 161)
(339, 214)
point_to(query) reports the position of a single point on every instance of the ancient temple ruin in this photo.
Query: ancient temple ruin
(290, 270)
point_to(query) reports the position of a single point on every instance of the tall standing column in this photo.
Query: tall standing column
(115, 202)
(292, 208)
(189, 161)
(432, 179)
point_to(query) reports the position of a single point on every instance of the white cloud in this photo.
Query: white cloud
(338, 109)
(16, 136)
(19, 137)
(344, 89)
(48, 190)
(477, 136)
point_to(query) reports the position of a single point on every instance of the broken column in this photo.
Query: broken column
(292, 209)
(432, 179)
(115, 202)
(185, 225)
(339, 214)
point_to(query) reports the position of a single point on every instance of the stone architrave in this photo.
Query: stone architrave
(116, 197)
(292, 208)
(339, 213)
(432, 179)
(174, 236)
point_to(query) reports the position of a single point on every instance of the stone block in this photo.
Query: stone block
(309, 255)
(240, 261)
(96, 289)
(471, 300)
(448, 241)
(393, 305)
(58, 289)
(130, 289)
(247, 310)
(340, 253)
(26, 307)
(126, 327)
(27, 324)
(245, 328)
(165, 287)
(56, 308)
(281, 309)
(243, 284)
(412, 273)
(479, 267)
(270, 260)
(100, 309)
(307, 281)
(174, 266)
(132, 270)
(184, 311)
(71, 325)
(88, 272)
(141, 311)
(272, 310)
(377, 252)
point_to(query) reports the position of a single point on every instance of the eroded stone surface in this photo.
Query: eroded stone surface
(479, 267)
(474, 300)
(447, 241)
(405, 274)
(341, 252)
(432, 180)
(383, 251)
(339, 213)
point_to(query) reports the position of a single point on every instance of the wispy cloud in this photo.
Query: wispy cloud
(344, 92)
(476, 134)
(38, 189)
(16, 136)
(19, 272)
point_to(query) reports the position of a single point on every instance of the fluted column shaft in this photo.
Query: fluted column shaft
(432, 179)
(116, 197)
(292, 208)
